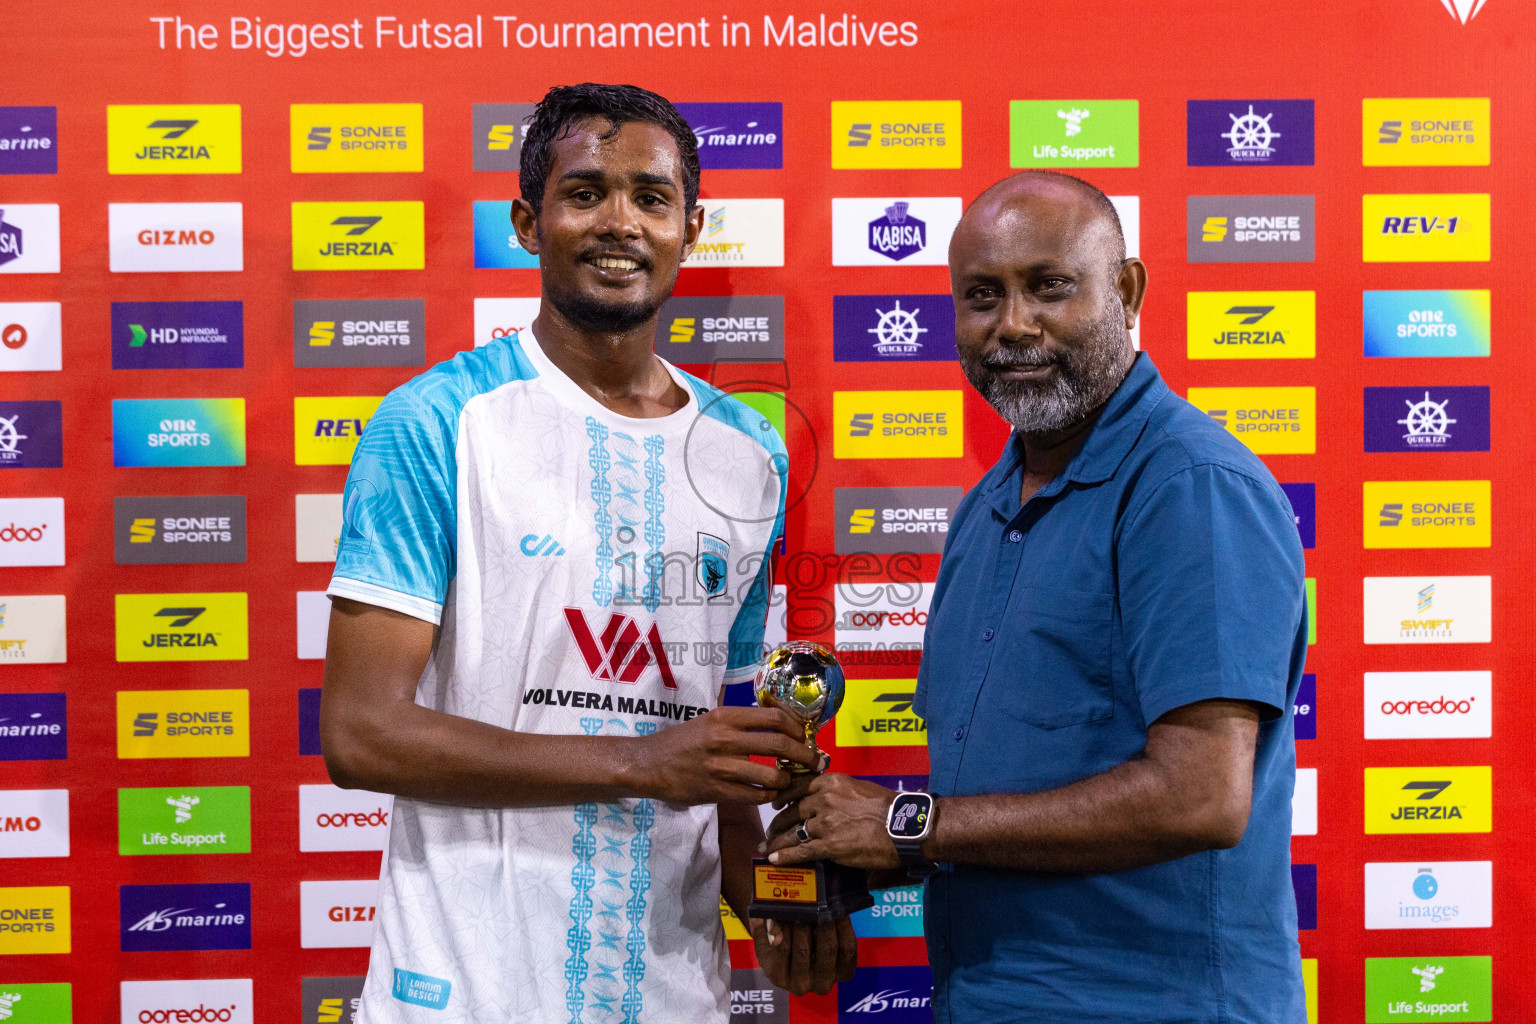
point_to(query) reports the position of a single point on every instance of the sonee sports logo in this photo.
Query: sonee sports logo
(619, 654)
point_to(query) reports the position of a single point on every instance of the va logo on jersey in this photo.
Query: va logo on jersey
(184, 139)
(710, 562)
(619, 654)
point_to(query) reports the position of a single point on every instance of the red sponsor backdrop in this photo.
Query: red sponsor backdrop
(82, 57)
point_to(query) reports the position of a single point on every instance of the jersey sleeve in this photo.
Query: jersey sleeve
(750, 626)
(399, 510)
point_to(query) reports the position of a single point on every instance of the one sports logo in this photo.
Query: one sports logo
(619, 654)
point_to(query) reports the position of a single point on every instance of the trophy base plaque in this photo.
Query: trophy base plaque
(808, 893)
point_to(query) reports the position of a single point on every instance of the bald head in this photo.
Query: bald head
(1089, 214)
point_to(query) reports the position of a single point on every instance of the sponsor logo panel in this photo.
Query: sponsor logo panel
(188, 530)
(317, 527)
(333, 1000)
(1311, 586)
(309, 721)
(893, 328)
(499, 130)
(878, 713)
(34, 823)
(33, 727)
(1252, 325)
(31, 435)
(314, 618)
(895, 133)
(734, 929)
(881, 623)
(756, 1000)
(1304, 803)
(183, 723)
(335, 915)
(1074, 133)
(890, 520)
(331, 818)
(1270, 421)
(181, 139)
(183, 627)
(1445, 988)
(1439, 894)
(1250, 229)
(326, 430)
(209, 915)
(354, 138)
(1438, 132)
(898, 912)
(1309, 987)
(496, 244)
(504, 317)
(31, 335)
(1428, 705)
(1427, 419)
(744, 136)
(29, 238)
(1305, 709)
(898, 424)
(177, 335)
(1437, 799)
(225, 1000)
(1426, 228)
(178, 432)
(1428, 514)
(34, 919)
(897, 995)
(1250, 133)
(740, 233)
(359, 236)
(1427, 323)
(884, 232)
(32, 630)
(1304, 884)
(359, 332)
(31, 531)
(1428, 609)
(37, 1003)
(1303, 499)
(29, 140)
(184, 819)
(735, 328)
(149, 238)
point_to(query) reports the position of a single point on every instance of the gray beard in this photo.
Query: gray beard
(1084, 380)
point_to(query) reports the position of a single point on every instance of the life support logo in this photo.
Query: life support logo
(1252, 325)
(182, 139)
(1270, 421)
(1074, 133)
(896, 134)
(326, 430)
(898, 424)
(354, 138)
(184, 820)
(1426, 228)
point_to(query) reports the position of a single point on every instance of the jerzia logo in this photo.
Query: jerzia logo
(1252, 325)
(185, 139)
(1446, 799)
(620, 654)
(359, 236)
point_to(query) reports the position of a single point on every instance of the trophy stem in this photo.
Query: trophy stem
(795, 767)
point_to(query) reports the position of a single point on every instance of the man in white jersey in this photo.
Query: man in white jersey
(555, 554)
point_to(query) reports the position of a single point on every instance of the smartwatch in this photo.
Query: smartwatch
(909, 822)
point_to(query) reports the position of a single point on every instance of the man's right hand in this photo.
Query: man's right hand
(706, 759)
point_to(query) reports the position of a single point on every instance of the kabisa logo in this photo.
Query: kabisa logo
(878, 713)
(898, 424)
(704, 329)
(29, 238)
(149, 238)
(177, 335)
(159, 918)
(32, 629)
(1270, 421)
(740, 233)
(746, 136)
(359, 236)
(1252, 325)
(1463, 10)
(184, 139)
(1250, 229)
(1442, 799)
(178, 432)
(1074, 133)
(499, 129)
(896, 134)
(32, 727)
(182, 627)
(29, 139)
(1425, 132)
(1303, 499)
(326, 430)
(1427, 323)
(359, 332)
(34, 823)
(1428, 514)
(1428, 705)
(882, 232)
(890, 520)
(1434, 419)
(354, 137)
(190, 530)
(1441, 894)
(891, 995)
(1250, 133)
(184, 820)
(893, 328)
(331, 818)
(332, 1000)
(31, 435)
(31, 531)
(621, 652)
(31, 336)
(199, 1001)
(1447, 988)
(898, 234)
(496, 244)
(183, 723)
(34, 919)
(1426, 228)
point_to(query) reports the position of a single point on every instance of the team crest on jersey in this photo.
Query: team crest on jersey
(711, 561)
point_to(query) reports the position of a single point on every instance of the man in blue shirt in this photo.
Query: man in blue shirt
(1112, 655)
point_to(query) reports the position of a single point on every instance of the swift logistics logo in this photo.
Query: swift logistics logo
(337, 914)
(1074, 133)
(1428, 609)
(496, 244)
(737, 136)
(1428, 705)
(1442, 132)
(178, 432)
(33, 727)
(359, 332)
(1435, 894)
(499, 130)
(152, 238)
(891, 520)
(1249, 133)
(1430, 988)
(354, 138)
(184, 820)
(1440, 799)
(893, 328)
(32, 630)
(182, 627)
(29, 238)
(898, 424)
(1270, 421)
(34, 823)
(1426, 228)
(179, 530)
(193, 1001)
(178, 335)
(740, 233)
(31, 336)
(181, 139)
(317, 527)
(878, 713)
(359, 236)
(1427, 323)
(1427, 419)
(736, 328)
(31, 531)
(37, 1003)
(34, 919)
(162, 918)
(890, 995)
(1252, 325)
(882, 232)
(183, 723)
(1250, 229)
(29, 140)
(31, 435)
(326, 429)
(1428, 514)
(886, 134)
(333, 1000)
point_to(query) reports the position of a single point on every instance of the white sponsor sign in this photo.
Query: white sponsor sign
(1428, 609)
(29, 238)
(1304, 803)
(740, 233)
(332, 818)
(32, 629)
(1428, 705)
(316, 526)
(335, 915)
(214, 1001)
(497, 318)
(881, 616)
(159, 237)
(1429, 894)
(1129, 210)
(34, 823)
(31, 531)
(776, 630)
(31, 336)
(895, 232)
(314, 611)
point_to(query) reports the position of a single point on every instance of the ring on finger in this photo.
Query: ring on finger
(801, 833)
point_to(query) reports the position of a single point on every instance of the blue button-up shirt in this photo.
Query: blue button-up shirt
(1161, 567)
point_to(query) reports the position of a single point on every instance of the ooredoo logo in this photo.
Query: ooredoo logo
(31, 531)
(881, 617)
(193, 1001)
(331, 818)
(1428, 705)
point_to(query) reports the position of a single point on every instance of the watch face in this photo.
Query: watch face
(909, 815)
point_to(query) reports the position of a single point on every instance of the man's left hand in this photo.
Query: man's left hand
(845, 819)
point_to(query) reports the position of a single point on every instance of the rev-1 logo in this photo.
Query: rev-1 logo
(619, 655)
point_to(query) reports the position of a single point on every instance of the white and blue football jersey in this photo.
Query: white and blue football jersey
(592, 574)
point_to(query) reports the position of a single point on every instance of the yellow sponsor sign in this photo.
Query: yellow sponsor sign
(734, 929)
(1428, 514)
(180, 139)
(1252, 325)
(1428, 800)
(1440, 132)
(1270, 421)
(1426, 228)
(1309, 986)
(896, 133)
(898, 424)
(326, 430)
(359, 236)
(182, 627)
(328, 138)
(34, 919)
(878, 713)
(183, 723)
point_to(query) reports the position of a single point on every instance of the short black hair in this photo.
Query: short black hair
(566, 106)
